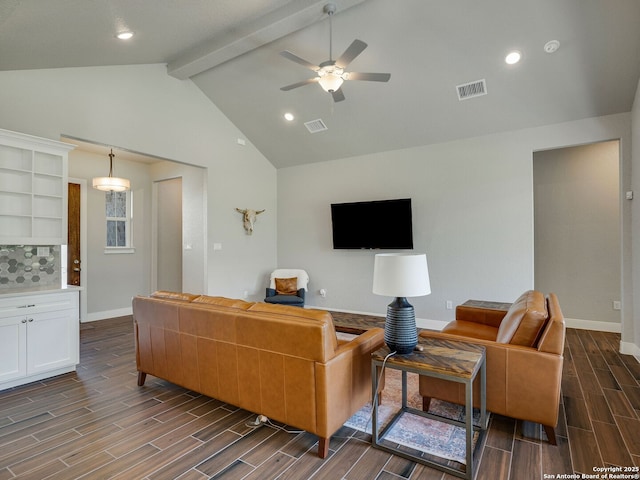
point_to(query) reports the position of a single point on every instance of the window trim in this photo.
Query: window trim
(118, 250)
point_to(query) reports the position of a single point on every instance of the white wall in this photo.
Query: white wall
(472, 209)
(141, 108)
(633, 334)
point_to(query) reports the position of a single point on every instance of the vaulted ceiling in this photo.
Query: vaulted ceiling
(231, 50)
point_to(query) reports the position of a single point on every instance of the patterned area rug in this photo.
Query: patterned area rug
(413, 431)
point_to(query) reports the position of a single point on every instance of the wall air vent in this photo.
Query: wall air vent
(472, 89)
(315, 126)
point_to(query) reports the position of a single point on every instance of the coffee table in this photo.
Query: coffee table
(456, 361)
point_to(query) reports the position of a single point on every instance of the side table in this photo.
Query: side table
(450, 360)
(487, 304)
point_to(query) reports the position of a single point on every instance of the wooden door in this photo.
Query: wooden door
(73, 235)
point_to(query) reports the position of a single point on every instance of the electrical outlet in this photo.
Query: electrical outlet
(449, 305)
(617, 305)
(323, 293)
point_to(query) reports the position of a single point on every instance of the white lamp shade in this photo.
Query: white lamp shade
(111, 184)
(401, 275)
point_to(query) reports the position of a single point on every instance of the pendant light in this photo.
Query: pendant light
(111, 183)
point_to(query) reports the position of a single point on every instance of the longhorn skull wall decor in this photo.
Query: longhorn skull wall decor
(249, 218)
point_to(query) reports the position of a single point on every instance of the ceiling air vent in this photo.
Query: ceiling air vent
(315, 126)
(472, 89)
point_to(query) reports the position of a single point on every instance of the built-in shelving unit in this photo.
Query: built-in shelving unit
(33, 189)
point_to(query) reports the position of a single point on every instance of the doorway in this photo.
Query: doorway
(577, 234)
(168, 234)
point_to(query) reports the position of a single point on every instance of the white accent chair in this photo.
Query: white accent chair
(295, 299)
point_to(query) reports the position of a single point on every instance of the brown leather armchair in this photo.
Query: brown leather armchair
(524, 358)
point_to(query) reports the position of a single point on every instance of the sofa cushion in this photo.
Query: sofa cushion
(185, 297)
(290, 311)
(223, 302)
(524, 321)
(285, 300)
(287, 286)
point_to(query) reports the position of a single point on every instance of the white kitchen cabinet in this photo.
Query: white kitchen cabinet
(39, 336)
(33, 190)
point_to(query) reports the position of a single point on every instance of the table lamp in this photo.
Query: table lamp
(401, 275)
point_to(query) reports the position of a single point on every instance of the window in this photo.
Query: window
(118, 215)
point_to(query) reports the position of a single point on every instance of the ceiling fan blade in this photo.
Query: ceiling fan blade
(371, 77)
(338, 96)
(300, 84)
(355, 49)
(300, 61)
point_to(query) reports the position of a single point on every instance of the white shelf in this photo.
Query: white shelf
(33, 189)
(9, 224)
(47, 164)
(14, 203)
(15, 158)
(15, 181)
(47, 185)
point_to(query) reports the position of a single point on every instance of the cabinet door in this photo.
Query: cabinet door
(13, 345)
(52, 340)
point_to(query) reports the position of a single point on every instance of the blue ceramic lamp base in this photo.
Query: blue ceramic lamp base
(400, 332)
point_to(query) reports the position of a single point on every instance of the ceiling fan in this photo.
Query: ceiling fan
(331, 74)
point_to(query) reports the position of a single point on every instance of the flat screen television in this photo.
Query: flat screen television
(382, 224)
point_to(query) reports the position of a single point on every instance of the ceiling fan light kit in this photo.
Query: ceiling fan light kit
(331, 73)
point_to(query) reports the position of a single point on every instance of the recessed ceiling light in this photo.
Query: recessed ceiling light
(289, 117)
(513, 57)
(124, 35)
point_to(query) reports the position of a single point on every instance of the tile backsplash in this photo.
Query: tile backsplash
(26, 266)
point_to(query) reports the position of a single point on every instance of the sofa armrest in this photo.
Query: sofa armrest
(373, 336)
(343, 383)
(484, 316)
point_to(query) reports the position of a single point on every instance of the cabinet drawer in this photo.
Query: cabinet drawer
(42, 303)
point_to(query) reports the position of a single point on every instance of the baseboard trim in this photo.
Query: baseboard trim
(593, 325)
(119, 312)
(425, 323)
(628, 348)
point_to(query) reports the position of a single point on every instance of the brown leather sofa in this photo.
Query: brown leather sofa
(280, 361)
(524, 348)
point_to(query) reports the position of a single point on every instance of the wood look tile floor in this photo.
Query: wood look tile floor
(97, 424)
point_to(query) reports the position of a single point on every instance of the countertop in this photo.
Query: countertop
(20, 292)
